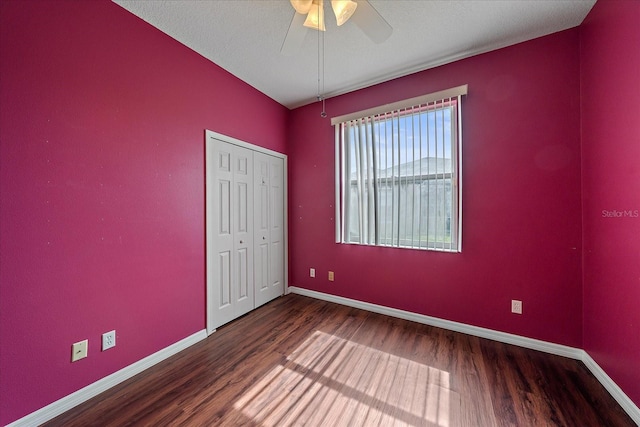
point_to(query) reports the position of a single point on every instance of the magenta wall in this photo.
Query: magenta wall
(102, 121)
(522, 209)
(102, 128)
(610, 81)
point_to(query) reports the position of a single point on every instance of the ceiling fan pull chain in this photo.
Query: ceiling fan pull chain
(318, 41)
(323, 113)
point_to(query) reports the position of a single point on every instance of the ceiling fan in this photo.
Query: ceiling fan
(309, 14)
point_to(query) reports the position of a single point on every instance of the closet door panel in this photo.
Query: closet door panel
(243, 231)
(231, 218)
(262, 229)
(224, 268)
(276, 231)
(262, 267)
(269, 268)
(221, 219)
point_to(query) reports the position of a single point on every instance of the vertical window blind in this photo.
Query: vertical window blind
(398, 174)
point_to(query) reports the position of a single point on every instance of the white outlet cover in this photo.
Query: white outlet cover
(312, 272)
(108, 340)
(516, 306)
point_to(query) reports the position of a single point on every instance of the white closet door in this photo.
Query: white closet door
(269, 227)
(231, 232)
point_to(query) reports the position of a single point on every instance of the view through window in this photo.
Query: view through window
(400, 175)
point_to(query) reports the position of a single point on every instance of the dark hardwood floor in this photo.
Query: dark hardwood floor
(300, 361)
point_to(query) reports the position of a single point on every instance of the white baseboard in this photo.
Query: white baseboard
(547, 347)
(74, 399)
(60, 406)
(614, 390)
(561, 350)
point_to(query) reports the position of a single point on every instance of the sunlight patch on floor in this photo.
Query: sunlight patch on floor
(332, 381)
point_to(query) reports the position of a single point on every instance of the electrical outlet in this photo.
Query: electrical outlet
(312, 272)
(108, 340)
(516, 306)
(331, 276)
(79, 350)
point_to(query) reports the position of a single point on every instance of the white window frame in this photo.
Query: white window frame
(437, 99)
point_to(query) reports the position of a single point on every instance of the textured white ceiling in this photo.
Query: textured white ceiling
(245, 36)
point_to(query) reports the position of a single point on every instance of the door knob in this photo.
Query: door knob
(240, 241)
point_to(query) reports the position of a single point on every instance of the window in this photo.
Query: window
(398, 170)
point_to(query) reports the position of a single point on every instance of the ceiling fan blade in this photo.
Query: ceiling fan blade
(295, 35)
(371, 22)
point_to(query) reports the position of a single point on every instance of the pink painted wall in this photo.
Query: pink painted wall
(102, 122)
(522, 209)
(610, 82)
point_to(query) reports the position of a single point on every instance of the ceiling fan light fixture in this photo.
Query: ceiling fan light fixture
(343, 9)
(301, 6)
(315, 17)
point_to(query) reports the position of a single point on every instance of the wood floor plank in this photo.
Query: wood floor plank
(299, 361)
